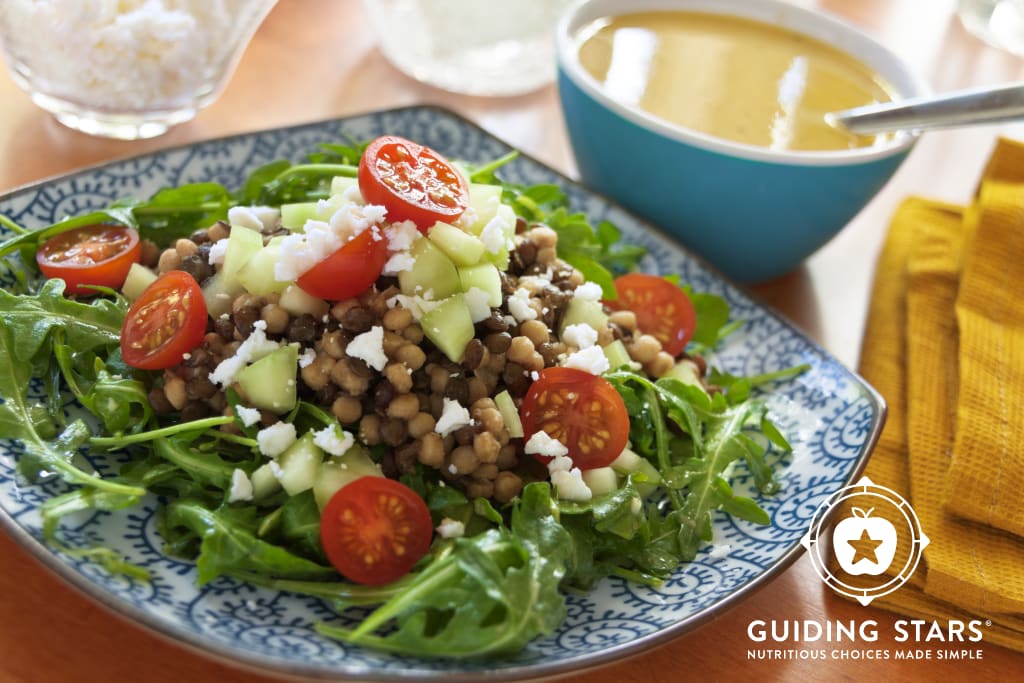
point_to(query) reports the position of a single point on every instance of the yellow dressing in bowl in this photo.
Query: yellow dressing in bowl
(730, 77)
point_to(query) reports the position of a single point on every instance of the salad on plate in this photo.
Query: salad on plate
(384, 379)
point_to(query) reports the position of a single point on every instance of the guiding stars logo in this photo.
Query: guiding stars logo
(877, 544)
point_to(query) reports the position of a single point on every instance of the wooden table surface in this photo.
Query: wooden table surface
(316, 59)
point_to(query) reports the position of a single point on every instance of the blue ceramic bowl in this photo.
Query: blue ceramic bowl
(753, 212)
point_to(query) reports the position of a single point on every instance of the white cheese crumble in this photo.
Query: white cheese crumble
(369, 347)
(398, 263)
(580, 335)
(560, 463)
(401, 236)
(416, 305)
(333, 440)
(352, 194)
(255, 346)
(588, 291)
(719, 551)
(493, 236)
(570, 485)
(453, 416)
(590, 360)
(542, 443)
(450, 528)
(256, 218)
(217, 251)
(248, 416)
(276, 439)
(300, 251)
(477, 301)
(519, 306)
(307, 358)
(241, 486)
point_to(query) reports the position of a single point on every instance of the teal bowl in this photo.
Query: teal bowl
(753, 212)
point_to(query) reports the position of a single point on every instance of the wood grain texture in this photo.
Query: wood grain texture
(315, 59)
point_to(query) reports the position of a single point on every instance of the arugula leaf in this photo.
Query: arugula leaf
(228, 544)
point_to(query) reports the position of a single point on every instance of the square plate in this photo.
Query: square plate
(831, 416)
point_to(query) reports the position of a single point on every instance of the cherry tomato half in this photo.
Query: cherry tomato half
(662, 309)
(349, 271)
(375, 529)
(582, 411)
(412, 182)
(167, 321)
(93, 255)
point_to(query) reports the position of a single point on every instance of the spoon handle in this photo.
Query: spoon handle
(963, 107)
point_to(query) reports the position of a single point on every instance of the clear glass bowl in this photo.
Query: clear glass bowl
(129, 69)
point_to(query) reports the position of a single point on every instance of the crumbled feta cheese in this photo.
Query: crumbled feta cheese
(352, 194)
(401, 236)
(416, 305)
(450, 528)
(588, 291)
(719, 551)
(248, 416)
(217, 251)
(468, 219)
(534, 375)
(570, 485)
(307, 357)
(334, 440)
(369, 347)
(560, 463)
(241, 486)
(478, 302)
(537, 284)
(399, 262)
(256, 218)
(541, 443)
(493, 235)
(276, 439)
(519, 306)
(453, 416)
(255, 346)
(300, 251)
(580, 335)
(590, 360)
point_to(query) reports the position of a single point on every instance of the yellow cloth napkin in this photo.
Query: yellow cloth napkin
(944, 344)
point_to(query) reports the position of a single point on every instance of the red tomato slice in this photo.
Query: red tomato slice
(582, 411)
(167, 321)
(375, 529)
(93, 255)
(412, 182)
(349, 271)
(662, 309)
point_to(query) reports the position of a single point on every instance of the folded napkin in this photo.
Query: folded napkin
(944, 344)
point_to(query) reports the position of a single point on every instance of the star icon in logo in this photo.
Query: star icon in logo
(865, 547)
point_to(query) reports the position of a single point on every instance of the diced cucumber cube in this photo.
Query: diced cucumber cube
(686, 371)
(627, 462)
(509, 414)
(257, 276)
(601, 480)
(300, 465)
(653, 478)
(297, 301)
(457, 244)
(139, 277)
(294, 216)
(340, 470)
(269, 383)
(616, 354)
(431, 272)
(584, 311)
(243, 244)
(484, 200)
(341, 183)
(264, 483)
(485, 277)
(449, 326)
(219, 292)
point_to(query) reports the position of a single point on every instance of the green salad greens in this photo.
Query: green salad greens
(488, 592)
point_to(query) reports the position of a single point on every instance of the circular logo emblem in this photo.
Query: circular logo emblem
(875, 545)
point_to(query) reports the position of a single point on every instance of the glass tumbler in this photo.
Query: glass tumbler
(473, 47)
(128, 69)
(999, 23)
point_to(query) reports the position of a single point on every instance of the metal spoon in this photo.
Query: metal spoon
(992, 104)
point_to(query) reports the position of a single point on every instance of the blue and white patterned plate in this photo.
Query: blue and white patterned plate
(830, 415)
